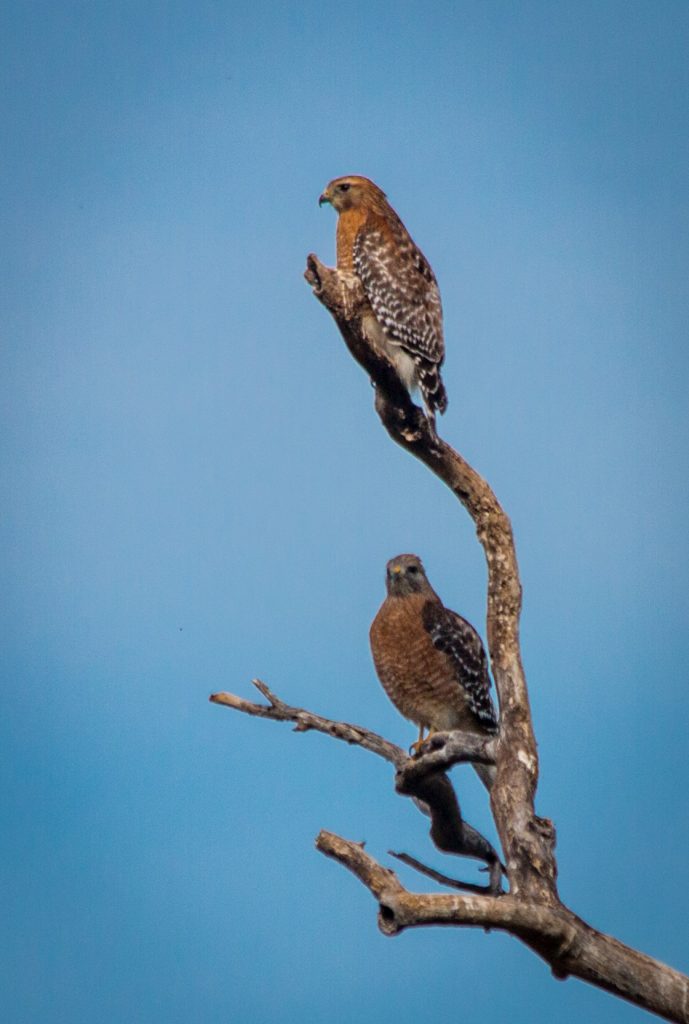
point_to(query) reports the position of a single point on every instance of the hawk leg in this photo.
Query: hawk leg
(415, 748)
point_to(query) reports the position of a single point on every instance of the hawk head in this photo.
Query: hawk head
(406, 575)
(351, 191)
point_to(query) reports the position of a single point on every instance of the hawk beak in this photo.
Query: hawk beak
(397, 569)
(323, 199)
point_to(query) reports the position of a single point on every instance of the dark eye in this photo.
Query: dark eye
(413, 569)
(344, 187)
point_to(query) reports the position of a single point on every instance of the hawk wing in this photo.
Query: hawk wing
(462, 645)
(401, 288)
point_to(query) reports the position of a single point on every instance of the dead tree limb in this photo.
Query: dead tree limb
(423, 778)
(307, 720)
(555, 933)
(564, 941)
(527, 840)
(532, 911)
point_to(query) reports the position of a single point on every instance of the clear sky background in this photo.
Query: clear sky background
(196, 489)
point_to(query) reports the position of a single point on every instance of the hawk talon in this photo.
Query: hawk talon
(424, 745)
(416, 748)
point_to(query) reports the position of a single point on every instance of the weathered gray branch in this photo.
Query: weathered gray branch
(306, 720)
(527, 840)
(532, 911)
(437, 876)
(422, 778)
(563, 940)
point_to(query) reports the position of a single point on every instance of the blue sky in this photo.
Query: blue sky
(196, 489)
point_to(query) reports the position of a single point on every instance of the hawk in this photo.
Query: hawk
(430, 660)
(405, 319)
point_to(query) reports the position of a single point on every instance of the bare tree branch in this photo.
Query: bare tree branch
(527, 840)
(532, 911)
(438, 876)
(421, 778)
(307, 720)
(563, 940)
(440, 753)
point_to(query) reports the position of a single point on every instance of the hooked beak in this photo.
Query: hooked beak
(323, 198)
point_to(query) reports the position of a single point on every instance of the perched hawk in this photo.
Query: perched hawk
(405, 321)
(430, 660)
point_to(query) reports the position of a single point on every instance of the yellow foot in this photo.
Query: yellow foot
(415, 748)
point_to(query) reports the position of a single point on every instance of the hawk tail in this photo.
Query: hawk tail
(432, 387)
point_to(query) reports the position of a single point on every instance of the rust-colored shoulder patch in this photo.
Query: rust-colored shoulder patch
(348, 225)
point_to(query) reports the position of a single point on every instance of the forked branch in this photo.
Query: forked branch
(532, 911)
(564, 941)
(558, 936)
(422, 778)
(527, 840)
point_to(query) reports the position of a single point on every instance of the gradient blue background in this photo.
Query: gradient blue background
(196, 489)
